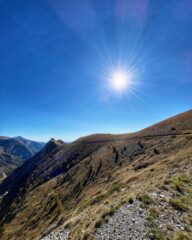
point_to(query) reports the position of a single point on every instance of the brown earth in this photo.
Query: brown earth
(75, 184)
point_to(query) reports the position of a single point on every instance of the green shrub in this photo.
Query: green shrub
(155, 234)
(180, 182)
(177, 185)
(178, 205)
(146, 199)
(105, 217)
(130, 200)
(98, 223)
(115, 187)
(85, 236)
(153, 212)
(111, 211)
(181, 236)
(101, 221)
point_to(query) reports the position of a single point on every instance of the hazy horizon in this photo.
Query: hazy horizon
(75, 137)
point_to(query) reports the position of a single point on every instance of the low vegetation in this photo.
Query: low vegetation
(145, 199)
(181, 236)
(179, 188)
(178, 204)
(97, 185)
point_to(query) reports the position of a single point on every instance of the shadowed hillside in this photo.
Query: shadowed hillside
(20, 147)
(32, 145)
(8, 163)
(14, 151)
(76, 186)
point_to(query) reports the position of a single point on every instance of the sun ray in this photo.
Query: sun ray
(120, 79)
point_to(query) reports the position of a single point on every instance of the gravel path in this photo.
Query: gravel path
(130, 221)
(62, 235)
(127, 223)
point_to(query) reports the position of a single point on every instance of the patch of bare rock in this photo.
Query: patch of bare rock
(61, 235)
(129, 223)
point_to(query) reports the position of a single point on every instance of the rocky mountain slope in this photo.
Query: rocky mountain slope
(32, 145)
(74, 191)
(20, 147)
(8, 163)
(13, 152)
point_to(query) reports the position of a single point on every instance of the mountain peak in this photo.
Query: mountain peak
(52, 144)
(54, 141)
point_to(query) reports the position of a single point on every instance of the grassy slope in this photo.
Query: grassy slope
(103, 180)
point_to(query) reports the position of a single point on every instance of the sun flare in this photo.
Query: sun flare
(120, 80)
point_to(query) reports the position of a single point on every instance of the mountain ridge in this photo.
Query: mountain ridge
(73, 176)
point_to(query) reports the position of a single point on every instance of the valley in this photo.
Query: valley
(14, 151)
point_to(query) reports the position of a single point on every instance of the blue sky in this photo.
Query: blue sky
(55, 55)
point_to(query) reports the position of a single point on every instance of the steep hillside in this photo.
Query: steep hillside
(74, 188)
(20, 147)
(178, 124)
(32, 145)
(13, 152)
(8, 163)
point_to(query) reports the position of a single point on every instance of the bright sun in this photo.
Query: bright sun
(119, 81)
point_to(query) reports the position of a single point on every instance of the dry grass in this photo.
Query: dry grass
(100, 195)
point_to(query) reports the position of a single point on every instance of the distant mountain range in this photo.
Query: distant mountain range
(76, 185)
(14, 151)
(20, 147)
